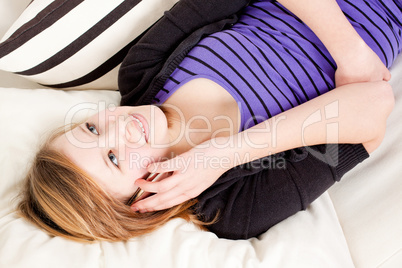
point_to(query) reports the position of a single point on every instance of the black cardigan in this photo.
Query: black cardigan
(249, 198)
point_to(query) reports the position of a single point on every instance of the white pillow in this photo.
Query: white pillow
(311, 238)
(76, 43)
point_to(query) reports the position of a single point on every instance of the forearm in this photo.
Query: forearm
(327, 21)
(353, 113)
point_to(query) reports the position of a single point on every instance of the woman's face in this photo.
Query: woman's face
(115, 147)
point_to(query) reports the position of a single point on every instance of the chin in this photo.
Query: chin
(159, 129)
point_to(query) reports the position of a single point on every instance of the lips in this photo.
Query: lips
(142, 125)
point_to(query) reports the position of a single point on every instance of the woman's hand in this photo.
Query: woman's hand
(192, 173)
(360, 64)
(355, 60)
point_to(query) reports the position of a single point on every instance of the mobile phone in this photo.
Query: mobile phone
(139, 193)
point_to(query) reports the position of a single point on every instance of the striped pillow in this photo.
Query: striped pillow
(75, 43)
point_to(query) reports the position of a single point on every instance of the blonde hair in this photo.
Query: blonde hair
(63, 200)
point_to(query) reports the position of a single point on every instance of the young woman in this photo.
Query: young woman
(233, 115)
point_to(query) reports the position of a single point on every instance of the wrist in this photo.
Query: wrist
(238, 149)
(222, 151)
(347, 51)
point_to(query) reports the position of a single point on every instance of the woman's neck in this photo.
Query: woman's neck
(199, 111)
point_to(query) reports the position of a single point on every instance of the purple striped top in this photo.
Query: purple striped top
(270, 61)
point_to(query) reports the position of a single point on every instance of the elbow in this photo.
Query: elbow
(385, 99)
(383, 102)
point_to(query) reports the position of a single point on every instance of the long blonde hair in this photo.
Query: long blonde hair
(63, 200)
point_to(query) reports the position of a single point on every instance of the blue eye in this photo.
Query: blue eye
(113, 159)
(91, 128)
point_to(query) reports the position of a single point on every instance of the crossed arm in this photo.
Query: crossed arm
(358, 106)
(327, 21)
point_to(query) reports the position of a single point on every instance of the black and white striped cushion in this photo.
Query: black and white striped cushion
(76, 43)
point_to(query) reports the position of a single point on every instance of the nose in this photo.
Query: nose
(122, 133)
(130, 132)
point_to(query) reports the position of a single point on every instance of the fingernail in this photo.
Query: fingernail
(134, 209)
(143, 211)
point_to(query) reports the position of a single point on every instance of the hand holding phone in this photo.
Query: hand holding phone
(141, 194)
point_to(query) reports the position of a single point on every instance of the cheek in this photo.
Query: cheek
(138, 159)
(159, 139)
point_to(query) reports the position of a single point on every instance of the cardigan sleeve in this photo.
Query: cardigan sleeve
(147, 57)
(251, 198)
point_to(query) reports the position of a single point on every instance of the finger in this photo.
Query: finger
(173, 202)
(161, 205)
(160, 186)
(154, 187)
(157, 200)
(164, 200)
(163, 167)
(173, 164)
